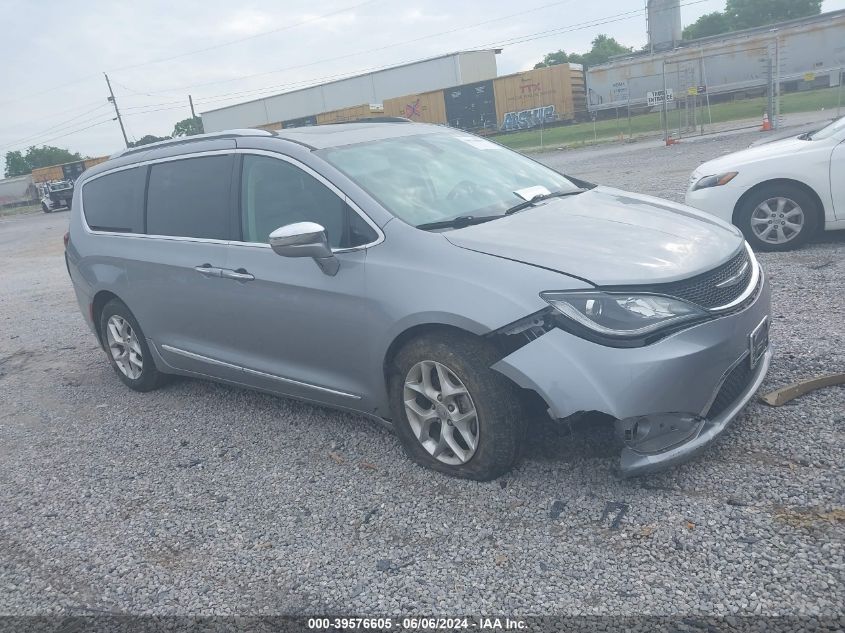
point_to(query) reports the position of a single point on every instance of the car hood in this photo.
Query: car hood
(783, 148)
(608, 237)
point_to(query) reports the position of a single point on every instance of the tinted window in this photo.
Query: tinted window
(190, 198)
(116, 202)
(275, 193)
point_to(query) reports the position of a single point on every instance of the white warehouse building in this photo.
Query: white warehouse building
(436, 73)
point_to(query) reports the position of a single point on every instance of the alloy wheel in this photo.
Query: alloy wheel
(777, 220)
(441, 413)
(124, 347)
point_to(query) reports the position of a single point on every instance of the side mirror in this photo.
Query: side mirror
(305, 239)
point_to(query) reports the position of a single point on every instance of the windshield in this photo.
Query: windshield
(831, 130)
(441, 176)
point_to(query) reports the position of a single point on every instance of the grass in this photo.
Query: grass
(20, 210)
(609, 129)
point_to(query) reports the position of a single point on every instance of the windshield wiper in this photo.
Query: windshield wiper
(457, 223)
(540, 198)
(468, 220)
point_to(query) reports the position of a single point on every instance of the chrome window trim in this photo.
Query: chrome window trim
(749, 290)
(331, 186)
(218, 152)
(255, 372)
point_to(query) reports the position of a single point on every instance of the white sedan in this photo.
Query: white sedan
(779, 194)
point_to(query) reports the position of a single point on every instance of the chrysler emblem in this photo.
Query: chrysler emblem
(735, 279)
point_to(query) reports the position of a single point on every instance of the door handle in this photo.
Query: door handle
(240, 274)
(208, 270)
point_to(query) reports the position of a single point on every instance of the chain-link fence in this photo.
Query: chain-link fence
(743, 80)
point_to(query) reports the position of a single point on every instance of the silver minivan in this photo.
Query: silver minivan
(423, 276)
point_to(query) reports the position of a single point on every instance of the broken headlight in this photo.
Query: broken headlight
(623, 316)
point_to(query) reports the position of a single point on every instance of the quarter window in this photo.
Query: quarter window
(115, 202)
(190, 198)
(275, 193)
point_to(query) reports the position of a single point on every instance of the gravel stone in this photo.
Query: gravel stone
(556, 509)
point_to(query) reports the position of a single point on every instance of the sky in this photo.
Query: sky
(53, 53)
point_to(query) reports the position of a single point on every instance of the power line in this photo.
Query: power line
(259, 92)
(370, 50)
(287, 27)
(627, 15)
(43, 137)
(109, 120)
(55, 115)
(58, 126)
(82, 129)
(145, 109)
(53, 89)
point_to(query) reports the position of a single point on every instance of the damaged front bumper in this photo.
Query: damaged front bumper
(672, 439)
(670, 399)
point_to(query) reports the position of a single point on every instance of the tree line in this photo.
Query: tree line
(21, 163)
(746, 14)
(738, 15)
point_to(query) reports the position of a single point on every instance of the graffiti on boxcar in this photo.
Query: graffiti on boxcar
(413, 110)
(527, 119)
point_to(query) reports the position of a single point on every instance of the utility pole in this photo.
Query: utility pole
(116, 111)
(191, 101)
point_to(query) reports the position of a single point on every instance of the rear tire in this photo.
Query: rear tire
(127, 349)
(480, 411)
(779, 217)
(45, 208)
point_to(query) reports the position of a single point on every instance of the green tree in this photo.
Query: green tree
(708, 24)
(552, 59)
(149, 138)
(16, 165)
(188, 127)
(19, 164)
(47, 155)
(745, 14)
(603, 48)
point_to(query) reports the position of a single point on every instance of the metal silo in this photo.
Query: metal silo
(664, 24)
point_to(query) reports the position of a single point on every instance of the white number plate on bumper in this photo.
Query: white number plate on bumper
(758, 342)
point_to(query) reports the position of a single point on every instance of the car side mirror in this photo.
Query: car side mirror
(305, 239)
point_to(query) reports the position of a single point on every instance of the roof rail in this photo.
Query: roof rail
(192, 139)
(376, 119)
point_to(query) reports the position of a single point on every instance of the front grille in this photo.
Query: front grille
(702, 289)
(737, 381)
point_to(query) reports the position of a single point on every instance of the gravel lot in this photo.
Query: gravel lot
(204, 499)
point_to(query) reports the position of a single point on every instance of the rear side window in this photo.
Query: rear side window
(190, 198)
(115, 202)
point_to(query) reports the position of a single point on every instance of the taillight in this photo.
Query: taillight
(66, 238)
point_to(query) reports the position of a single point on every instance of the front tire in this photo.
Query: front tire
(127, 349)
(45, 208)
(779, 217)
(453, 413)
